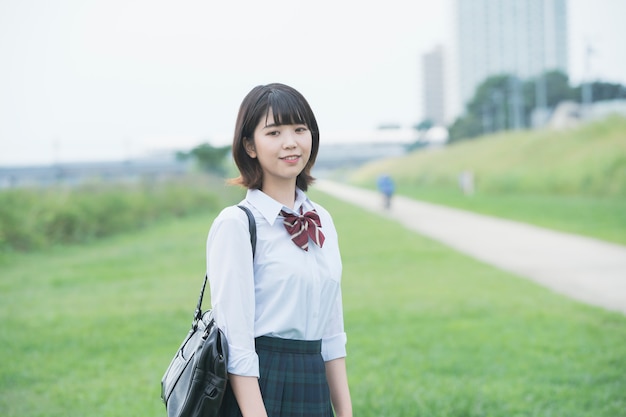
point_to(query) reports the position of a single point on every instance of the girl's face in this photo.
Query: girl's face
(282, 150)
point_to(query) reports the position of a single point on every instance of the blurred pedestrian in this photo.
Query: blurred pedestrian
(466, 182)
(386, 187)
(280, 310)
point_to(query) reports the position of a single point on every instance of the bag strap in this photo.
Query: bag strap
(252, 229)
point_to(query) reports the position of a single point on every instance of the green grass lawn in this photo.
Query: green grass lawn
(89, 331)
(600, 218)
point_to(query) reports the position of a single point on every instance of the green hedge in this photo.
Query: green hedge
(34, 218)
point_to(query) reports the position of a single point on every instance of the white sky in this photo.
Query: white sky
(110, 79)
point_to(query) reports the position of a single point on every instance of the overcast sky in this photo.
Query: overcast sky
(111, 79)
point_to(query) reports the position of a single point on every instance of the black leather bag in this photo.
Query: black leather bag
(195, 381)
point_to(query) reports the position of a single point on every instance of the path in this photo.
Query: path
(585, 269)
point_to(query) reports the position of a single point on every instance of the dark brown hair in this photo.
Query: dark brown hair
(288, 106)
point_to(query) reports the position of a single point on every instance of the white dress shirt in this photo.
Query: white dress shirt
(287, 292)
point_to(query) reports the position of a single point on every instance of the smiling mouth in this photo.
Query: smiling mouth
(290, 157)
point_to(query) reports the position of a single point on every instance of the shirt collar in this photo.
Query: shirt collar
(270, 208)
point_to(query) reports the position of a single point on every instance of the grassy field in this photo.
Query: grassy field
(601, 218)
(89, 331)
(571, 180)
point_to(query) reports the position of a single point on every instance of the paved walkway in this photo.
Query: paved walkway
(585, 269)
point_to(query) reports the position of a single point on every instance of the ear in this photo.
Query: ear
(248, 145)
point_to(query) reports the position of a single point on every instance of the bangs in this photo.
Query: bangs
(286, 109)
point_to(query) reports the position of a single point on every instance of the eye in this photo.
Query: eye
(301, 129)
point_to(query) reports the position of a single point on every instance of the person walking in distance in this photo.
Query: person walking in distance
(281, 309)
(386, 187)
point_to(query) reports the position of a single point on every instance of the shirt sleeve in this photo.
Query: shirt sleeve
(334, 339)
(231, 278)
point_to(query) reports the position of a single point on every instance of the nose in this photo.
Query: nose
(289, 141)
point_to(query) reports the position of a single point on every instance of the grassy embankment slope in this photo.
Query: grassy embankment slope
(570, 180)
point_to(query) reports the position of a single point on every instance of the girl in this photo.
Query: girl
(280, 310)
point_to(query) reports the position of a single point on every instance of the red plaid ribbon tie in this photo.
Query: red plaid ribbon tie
(303, 227)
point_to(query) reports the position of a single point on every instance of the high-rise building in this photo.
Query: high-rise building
(521, 38)
(433, 86)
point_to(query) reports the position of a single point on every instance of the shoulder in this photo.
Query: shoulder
(231, 217)
(232, 212)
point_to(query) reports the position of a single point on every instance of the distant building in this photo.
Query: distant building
(433, 86)
(523, 38)
(345, 149)
(77, 173)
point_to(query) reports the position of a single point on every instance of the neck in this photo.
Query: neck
(284, 193)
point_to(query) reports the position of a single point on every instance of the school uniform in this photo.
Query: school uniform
(281, 311)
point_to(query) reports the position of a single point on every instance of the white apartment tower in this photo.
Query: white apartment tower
(524, 38)
(433, 86)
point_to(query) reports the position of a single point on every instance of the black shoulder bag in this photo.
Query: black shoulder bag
(195, 380)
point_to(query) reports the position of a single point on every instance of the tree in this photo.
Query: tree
(424, 125)
(601, 91)
(505, 102)
(465, 127)
(486, 112)
(556, 88)
(208, 158)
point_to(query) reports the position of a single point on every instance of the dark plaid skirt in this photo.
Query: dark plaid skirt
(292, 380)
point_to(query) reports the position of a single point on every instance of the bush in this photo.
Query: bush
(34, 218)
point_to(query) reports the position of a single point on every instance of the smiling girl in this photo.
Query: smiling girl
(280, 310)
